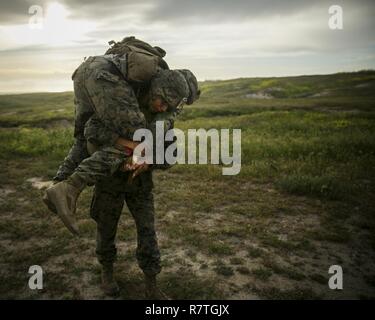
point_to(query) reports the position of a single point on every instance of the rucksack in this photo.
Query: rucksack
(142, 59)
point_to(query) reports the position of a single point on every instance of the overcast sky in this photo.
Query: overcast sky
(216, 39)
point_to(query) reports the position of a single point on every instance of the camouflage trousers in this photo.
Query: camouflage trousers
(103, 163)
(110, 193)
(106, 207)
(77, 153)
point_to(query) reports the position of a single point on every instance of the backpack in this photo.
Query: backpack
(142, 59)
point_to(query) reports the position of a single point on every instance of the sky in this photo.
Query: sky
(42, 42)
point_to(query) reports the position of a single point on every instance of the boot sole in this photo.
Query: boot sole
(62, 216)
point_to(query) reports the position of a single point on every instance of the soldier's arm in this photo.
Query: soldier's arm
(96, 133)
(168, 119)
(100, 136)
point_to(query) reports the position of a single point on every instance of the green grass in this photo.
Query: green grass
(35, 109)
(288, 272)
(262, 273)
(34, 142)
(304, 159)
(255, 252)
(305, 153)
(293, 87)
(224, 270)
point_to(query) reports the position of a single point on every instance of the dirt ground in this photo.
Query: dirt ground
(251, 243)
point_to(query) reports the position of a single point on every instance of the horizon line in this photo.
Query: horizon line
(208, 80)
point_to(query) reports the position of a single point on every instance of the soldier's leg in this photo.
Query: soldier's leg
(62, 197)
(106, 207)
(83, 111)
(77, 153)
(141, 205)
(103, 163)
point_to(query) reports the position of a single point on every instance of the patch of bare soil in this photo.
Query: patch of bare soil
(4, 191)
(258, 95)
(38, 183)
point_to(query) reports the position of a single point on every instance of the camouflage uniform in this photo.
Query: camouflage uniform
(107, 108)
(106, 207)
(101, 96)
(97, 86)
(109, 195)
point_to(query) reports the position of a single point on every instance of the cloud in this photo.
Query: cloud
(103, 11)
(201, 11)
(224, 10)
(215, 38)
(264, 26)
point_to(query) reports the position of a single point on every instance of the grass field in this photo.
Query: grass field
(303, 201)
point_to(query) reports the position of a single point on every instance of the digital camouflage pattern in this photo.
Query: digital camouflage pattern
(171, 85)
(100, 88)
(106, 208)
(110, 192)
(101, 168)
(192, 82)
(100, 96)
(106, 159)
(106, 108)
(76, 154)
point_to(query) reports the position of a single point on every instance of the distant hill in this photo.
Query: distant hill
(221, 97)
(338, 84)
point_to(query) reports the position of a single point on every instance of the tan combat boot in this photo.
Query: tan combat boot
(62, 197)
(152, 291)
(48, 203)
(109, 284)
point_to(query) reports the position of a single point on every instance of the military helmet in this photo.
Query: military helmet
(193, 85)
(175, 87)
(171, 85)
